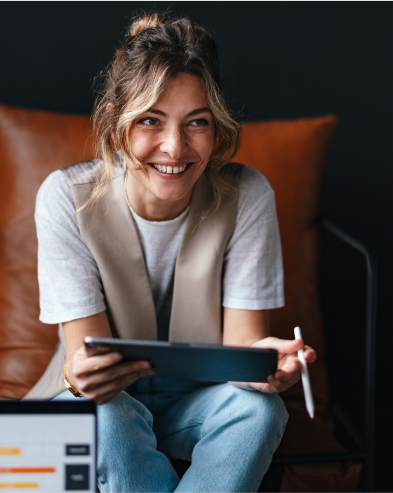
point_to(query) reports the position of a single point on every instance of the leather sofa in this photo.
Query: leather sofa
(290, 153)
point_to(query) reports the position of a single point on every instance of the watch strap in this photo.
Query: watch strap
(68, 385)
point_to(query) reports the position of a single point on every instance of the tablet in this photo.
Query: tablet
(207, 362)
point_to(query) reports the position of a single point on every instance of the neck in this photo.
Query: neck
(150, 207)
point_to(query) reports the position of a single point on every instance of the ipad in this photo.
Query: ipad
(207, 362)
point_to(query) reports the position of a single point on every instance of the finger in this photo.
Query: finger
(309, 354)
(281, 385)
(104, 362)
(81, 363)
(291, 364)
(94, 388)
(264, 387)
(82, 351)
(123, 369)
(283, 346)
(243, 385)
(284, 377)
(114, 375)
(276, 386)
(97, 363)
(105, 399)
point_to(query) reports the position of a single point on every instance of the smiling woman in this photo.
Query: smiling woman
(162, 237)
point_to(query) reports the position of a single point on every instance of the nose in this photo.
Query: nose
(174, 142)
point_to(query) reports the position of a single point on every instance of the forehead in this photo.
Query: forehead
(185, 93)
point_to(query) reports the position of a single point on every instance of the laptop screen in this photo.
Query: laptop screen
(47, 446)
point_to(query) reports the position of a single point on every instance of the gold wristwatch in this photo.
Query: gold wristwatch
(68, 385)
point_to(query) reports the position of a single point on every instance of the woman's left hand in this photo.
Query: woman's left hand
(288, 368)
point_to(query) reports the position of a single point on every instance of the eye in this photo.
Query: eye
(200, 122)
(148, 121)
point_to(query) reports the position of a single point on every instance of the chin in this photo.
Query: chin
(172, 192)
(171, 197)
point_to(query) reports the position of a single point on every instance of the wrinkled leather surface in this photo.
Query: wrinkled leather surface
(290, 153)
(32, 145)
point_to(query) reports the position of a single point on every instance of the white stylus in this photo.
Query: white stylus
(305, 377)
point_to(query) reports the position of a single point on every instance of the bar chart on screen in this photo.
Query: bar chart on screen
(47, 452)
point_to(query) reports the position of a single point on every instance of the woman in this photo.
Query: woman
(161, 238)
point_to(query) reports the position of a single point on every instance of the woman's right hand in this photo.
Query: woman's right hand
(101, 378)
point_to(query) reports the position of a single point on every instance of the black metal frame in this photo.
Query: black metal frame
(365, 453)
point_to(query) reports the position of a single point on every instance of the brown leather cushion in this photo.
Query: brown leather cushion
(32, 145)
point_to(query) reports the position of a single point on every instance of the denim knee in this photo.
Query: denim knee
(269, 409)
(119, 411)
(244, 428)
(266, 409)
(265, 413)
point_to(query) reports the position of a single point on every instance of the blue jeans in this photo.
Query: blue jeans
(229, 435)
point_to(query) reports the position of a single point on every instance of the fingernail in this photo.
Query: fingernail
(144, 366)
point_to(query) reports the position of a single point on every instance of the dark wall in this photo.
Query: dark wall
(280, 60)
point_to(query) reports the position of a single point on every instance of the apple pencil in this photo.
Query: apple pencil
(305, 377)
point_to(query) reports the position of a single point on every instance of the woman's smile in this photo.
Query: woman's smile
(170, 169)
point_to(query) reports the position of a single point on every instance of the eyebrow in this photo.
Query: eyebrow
(192, 113)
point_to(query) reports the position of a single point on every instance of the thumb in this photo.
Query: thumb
(81, 352)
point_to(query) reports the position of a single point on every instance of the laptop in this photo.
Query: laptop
(48, 446)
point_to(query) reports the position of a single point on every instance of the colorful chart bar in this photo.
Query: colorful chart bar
(10, 451)
(7, 470)
(9, 486)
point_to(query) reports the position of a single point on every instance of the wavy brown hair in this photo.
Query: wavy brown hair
(155, 51)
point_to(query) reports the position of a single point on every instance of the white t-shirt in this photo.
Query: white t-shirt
(69, 279)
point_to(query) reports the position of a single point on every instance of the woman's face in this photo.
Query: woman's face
(174, 139)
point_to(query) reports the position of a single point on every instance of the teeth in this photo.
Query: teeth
(169, 169)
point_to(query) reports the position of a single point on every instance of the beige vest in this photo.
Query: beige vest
(109, 232)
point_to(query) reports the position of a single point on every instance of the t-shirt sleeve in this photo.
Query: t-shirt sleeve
(68, 276)
(253, 272)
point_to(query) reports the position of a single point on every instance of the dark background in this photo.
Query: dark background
(280, 60)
